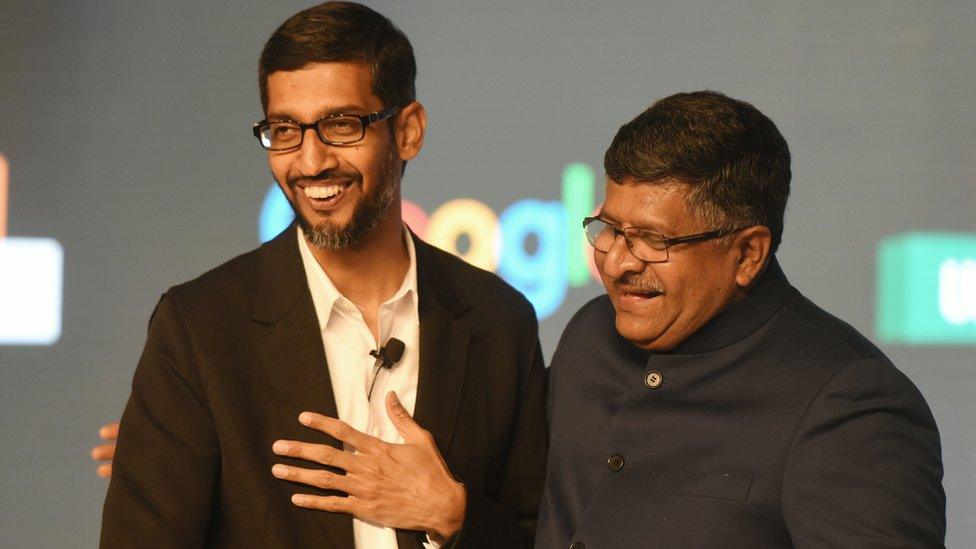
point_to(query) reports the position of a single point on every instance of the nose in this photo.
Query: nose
(314, 156)
(619, 260)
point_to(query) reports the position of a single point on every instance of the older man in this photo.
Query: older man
(704, 402)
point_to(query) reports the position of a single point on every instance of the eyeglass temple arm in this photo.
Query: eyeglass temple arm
(697, 237)
(380, 115)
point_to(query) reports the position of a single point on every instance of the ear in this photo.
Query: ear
(752, 246)
(411, 126)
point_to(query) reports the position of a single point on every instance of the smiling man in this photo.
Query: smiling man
(704, 402)
(269, 408)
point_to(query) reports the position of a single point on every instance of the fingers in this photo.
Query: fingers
(404, 422)
(341, 430)
(318, 478)
(103, 451)
(106, 451)
(334, 504)
(109, 431)
(319, 453)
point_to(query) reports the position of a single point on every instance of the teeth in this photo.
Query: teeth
(327, 191)
(647, 294)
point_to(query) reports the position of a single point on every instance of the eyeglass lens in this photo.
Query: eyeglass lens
(338, 130)
(645, 245)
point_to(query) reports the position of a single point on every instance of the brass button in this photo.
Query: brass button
(653, 379)
(616, 462)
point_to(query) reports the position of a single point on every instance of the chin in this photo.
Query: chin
(637, 332)
(334, 220)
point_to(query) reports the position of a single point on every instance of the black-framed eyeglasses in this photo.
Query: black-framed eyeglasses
(646, 245)
(335, 129)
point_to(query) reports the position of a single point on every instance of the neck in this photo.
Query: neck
(372, 272)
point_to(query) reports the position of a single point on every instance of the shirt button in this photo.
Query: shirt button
(653, 379)
(616, 462)
(577, 545)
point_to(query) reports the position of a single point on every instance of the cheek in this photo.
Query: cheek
(279, 168)
(371, 165)
(369, 154)
(698, 290)
(598, 261)
(671, 280)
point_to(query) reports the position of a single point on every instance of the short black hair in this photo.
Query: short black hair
(732, 156)
(343, 31)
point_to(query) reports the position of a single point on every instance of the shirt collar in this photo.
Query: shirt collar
(326, 297)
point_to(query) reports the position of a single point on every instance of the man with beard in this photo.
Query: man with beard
(267, 409)
(704, 402)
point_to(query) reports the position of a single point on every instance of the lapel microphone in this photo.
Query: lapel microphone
(388, 355)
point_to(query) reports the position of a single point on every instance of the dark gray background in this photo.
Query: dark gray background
(127, 129)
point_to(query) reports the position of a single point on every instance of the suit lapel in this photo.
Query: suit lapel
(443, 357)
(444, 342)
(291, 352)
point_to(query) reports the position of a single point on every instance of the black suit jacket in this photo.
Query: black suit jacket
(774, 425)
(235, 355)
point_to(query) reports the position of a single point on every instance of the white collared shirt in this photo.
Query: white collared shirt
(347, 341)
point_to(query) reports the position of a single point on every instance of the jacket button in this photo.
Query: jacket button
(653, 379)
(616, 462)
(577, 545)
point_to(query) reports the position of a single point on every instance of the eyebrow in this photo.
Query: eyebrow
(280, 116)
(602, 215)
(654, 226)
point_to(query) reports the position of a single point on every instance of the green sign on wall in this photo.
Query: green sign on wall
(927, 289)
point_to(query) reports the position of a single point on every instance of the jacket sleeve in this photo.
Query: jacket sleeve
(865, 465)
(510, 522)
(166, 465)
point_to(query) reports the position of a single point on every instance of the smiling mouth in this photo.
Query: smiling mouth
(639, 294)
(325, 197)
(323, 192)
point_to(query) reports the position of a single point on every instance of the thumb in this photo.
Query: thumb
(402, 419)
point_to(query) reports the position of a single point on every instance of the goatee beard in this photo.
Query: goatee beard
(369, 212)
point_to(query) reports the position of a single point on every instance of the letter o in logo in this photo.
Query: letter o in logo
(463, 216)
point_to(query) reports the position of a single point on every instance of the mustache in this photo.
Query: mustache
(327, 177)
(633, 282)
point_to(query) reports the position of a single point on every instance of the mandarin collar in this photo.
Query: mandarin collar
(737, 322)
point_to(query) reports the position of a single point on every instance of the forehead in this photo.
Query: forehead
(319, 89)
(661, 206)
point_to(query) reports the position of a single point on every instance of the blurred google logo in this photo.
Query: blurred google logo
(537, 246)
(927, 288)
